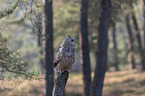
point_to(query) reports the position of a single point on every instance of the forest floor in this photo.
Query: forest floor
(121, 83)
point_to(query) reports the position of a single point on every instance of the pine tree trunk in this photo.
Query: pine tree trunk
(84, 48)
(115, 48)
(101, 66)
(144, 21)
(131, 58)
(140, 46)
(48, 32)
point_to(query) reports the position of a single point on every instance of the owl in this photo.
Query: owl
(65, 55)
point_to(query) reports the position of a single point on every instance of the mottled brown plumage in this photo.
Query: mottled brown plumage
(65, 55)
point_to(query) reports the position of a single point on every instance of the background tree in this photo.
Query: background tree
(48, 31)
(84, 47)
(144, 18)
(101, 65)
(93, 17)
(115, 48)
(114, 60)
(37, 28)
(140, 44)
(131, 43)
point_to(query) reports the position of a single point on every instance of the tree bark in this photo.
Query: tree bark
(101, 66)
(48, 30)
(144, 20)
(84, 48)
(115, 48)
(140, 46)
(131, 43)
(60, 83)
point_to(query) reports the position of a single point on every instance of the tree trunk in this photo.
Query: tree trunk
(115, 48)
(84, 48)
(144, 20)
(131, 43)
(48, 28)
(60, 83)
(101, 66)
(138, 36)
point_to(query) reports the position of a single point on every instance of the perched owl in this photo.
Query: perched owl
(65, 55)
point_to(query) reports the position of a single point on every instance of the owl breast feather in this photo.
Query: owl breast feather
(68, 51)
(67, 58)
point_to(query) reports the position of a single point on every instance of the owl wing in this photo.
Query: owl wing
(57, 56)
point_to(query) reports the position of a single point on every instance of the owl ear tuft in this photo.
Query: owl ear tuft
(69, 36)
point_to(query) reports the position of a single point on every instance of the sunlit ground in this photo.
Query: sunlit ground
(121, 83)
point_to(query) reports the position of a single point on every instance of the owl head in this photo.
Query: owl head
(69, 42)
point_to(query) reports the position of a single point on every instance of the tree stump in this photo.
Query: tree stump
(60, 83)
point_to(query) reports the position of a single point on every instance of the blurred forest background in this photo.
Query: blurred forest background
(21, 31)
